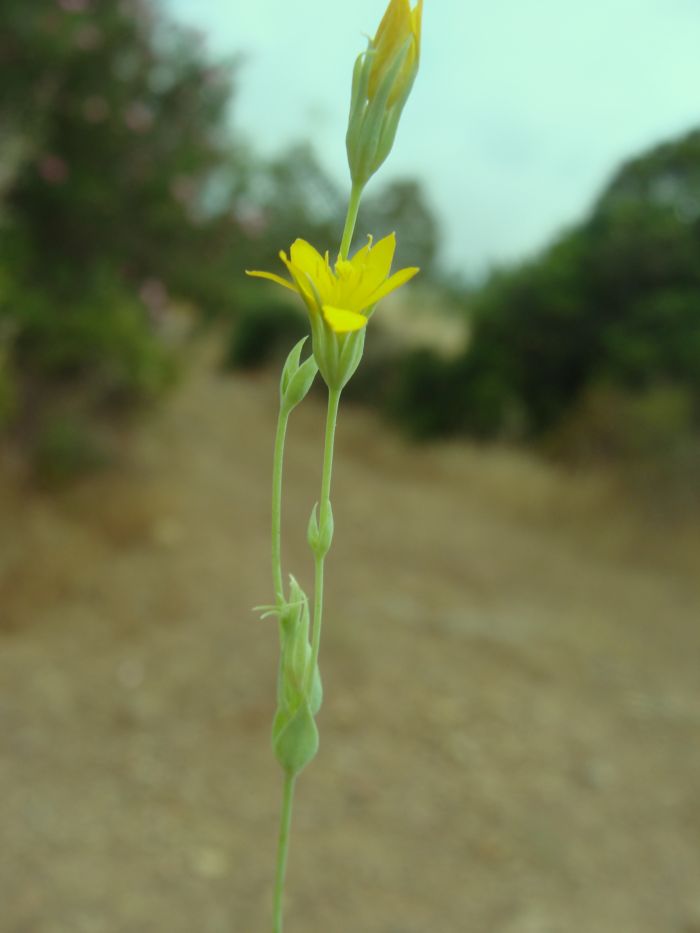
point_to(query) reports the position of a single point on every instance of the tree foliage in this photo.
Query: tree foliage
(122, 119)
(114, 131)
(614, 301)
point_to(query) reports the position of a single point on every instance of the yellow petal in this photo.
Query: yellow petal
(272, 277)
(306, 257)
(374, 269)
(360, 255)
(378, 257)
(396, 281)
(361, 276)
(393, 28)
(396, 26)
(342, 321)
(391, 20)
(311, 263)
(301, 282)
(416, 20)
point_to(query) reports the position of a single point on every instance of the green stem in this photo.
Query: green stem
(282, 850)
(350, 220)
(277, 463)
(331, 419)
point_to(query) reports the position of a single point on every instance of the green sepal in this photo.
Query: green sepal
(337, 355)
(372, 128)
(295, 738)
(320, 535)
(316, 692)
(358, 104)
(299, 690)
(291, 365)
(295, 650)
(296, 378)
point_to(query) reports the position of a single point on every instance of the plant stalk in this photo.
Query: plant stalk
(350, 220)
(324, 505)
(277, 464)
(282, 851)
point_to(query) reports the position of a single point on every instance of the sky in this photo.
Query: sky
(521, 110)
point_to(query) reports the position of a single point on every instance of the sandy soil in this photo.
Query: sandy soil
(511, 731)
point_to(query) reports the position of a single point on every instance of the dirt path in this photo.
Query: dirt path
(511, 732)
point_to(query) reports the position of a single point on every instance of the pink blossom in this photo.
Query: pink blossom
(95, 109)
(153, 294)
(252, 221)
(74, 6)
(53, 169)
(88, 37)
(183, 189)
(138, 117)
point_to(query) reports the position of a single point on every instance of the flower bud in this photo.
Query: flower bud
(295, 739)
(299, 691)
(382, 80)
(295, 647)
(320, 535)
(399, 29)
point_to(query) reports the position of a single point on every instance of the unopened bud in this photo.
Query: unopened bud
(299, 695)
(382, 80)
(320, 534)
(295, 738)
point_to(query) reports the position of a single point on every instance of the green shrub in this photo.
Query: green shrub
(88, 86)
(433, 396)
(104, 342)
(423, 400)
(375, 379)
(65, 448)
(264, 331)
(8, 390)
(650, 436)
(614, 300)
(621, 425)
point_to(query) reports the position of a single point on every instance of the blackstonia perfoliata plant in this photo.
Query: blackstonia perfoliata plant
(341, 298)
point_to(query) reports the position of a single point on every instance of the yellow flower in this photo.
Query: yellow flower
(400, 27)
(343, 296)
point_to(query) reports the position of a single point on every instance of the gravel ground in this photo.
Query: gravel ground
(510, 741)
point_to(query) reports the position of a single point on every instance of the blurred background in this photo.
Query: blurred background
(511, 726)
